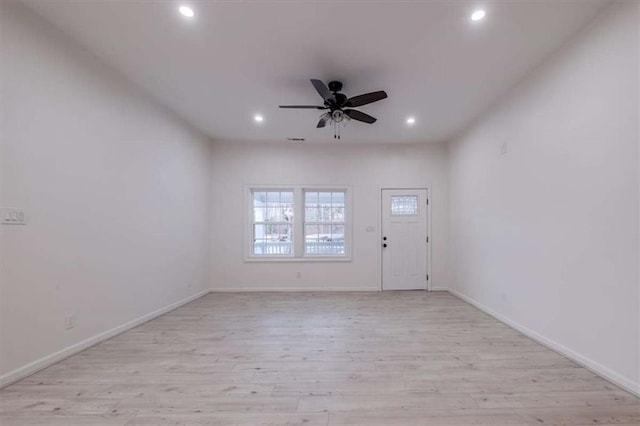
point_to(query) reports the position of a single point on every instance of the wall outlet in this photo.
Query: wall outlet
(70, 321)
(13, 216)
(503, 149)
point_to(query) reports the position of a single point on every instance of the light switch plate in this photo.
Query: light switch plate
(13, 216)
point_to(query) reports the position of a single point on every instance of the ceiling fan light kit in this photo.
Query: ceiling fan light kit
(339, 106)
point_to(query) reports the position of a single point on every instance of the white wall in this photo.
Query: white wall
(365, 168)
(546, 236)
(117, 192)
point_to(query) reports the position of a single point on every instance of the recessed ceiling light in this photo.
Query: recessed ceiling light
(478, 15)
(186, 11)
(411, 121)
(258, 118)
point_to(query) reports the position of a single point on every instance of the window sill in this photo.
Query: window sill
(308, 259)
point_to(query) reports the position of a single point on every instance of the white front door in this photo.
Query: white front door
(404, 239)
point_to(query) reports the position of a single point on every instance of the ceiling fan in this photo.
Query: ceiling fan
(339, 106)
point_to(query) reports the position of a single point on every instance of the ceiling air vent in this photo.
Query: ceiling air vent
(295, 139)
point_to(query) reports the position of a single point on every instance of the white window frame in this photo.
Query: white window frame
(298, 224)
(253, 222)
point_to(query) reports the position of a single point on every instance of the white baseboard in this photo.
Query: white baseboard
(591, 365)
(42, 363)
(300, 289)
(288, 289)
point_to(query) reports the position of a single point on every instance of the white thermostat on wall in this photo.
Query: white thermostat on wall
(13, 216)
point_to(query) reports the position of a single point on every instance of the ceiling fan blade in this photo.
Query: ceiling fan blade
(323, 120)
(322, 89)
(303, 106)
(367, 98)
(360, 116)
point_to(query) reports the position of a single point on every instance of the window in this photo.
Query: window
(272, 223)
(404, 205)
(299, 223)
(324, 223)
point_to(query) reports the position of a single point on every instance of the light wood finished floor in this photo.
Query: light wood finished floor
(317, 359)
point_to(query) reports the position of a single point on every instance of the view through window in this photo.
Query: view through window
(324, 222)
(275, 232)
(273, 223)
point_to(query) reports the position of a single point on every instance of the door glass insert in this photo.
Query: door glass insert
(404, 205)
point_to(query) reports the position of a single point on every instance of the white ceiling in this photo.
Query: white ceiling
(236, 59)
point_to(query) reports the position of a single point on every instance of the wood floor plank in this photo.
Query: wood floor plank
(217, 419)
(429, 417)
(318, 358)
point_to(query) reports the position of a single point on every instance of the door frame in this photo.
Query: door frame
(429, 235)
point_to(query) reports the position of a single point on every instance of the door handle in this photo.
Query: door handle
(384, 238)
(384, 245)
